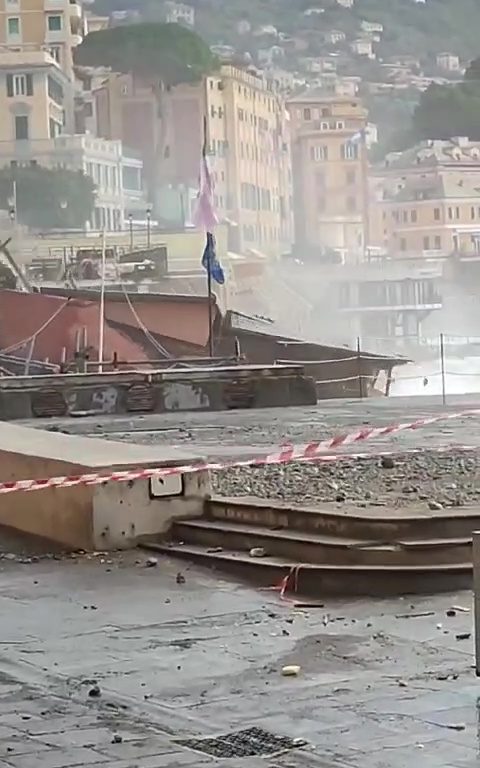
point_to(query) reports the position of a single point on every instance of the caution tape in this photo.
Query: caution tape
(313, 451)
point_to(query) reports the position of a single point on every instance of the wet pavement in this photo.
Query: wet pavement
(104, 661)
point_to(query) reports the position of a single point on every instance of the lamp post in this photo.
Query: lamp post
(130, 222)
(149, 226)
(12, 204)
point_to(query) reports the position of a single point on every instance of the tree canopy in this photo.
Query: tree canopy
(47, 198)
(169, 53)
(450, 110)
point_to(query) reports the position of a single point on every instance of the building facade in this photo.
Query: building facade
(248, 146)
(330, 175)
(57, 25)
(428, 199)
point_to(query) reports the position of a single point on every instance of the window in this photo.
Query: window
(326, 112)
(450, 213)
(413, 216)
(457, 212)
(340, 125)
(54, 52)
(426, 243)
(19, 85)
(351, 204)
(21, 127)
(307, 114)
(324, 126)
(436, 214)
(438, 242)
(318, 153)
(54, 23)
(349, 151)
(13, 26)
(472, 212)
(241, 115)
(55, 90)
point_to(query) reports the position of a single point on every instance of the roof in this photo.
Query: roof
(457, 151)
(56, 323)
(318, 93)
(445, 186)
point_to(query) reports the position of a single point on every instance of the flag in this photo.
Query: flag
(210, 261)
(357, 137)
(205, 216)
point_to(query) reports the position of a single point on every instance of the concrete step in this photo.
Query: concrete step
(321, 580)
(297, 546)
(373, 524)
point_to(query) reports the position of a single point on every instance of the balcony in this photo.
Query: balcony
(75, 9)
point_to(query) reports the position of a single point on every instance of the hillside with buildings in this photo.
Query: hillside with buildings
(290, 119)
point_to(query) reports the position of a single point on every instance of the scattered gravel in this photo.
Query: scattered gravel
(429, 478)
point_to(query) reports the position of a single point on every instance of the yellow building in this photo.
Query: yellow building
(57, 25)
(430, 199)
(330, 175)
(249, 143)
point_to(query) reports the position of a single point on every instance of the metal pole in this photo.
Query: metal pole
(148, 228)
(442, 362)
(476, 597)
(210, 312)
(101, 333)
(359, 368)
(130, 219)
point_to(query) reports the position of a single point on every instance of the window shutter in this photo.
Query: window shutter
(9, 85)
(29, 80)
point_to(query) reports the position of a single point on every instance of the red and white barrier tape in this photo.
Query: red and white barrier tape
(314, 451)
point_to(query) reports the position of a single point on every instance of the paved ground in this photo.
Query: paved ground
(204, 658)
(241, 432)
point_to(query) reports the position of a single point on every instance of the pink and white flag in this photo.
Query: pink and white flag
(205, 216)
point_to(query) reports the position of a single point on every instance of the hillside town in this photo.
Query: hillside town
(319, 214)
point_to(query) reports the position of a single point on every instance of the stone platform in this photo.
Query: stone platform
(108, 516)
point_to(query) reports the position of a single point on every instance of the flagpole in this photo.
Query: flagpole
(209, 271)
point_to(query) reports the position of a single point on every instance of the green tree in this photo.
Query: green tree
(160, 55)
(46, 198)
(446, 111)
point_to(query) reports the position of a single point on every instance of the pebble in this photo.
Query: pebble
(257, 552)
(152, 562)
(360, 479)
(435, 506)
(180, 579)
(117, 739)
(95, 692)
(291, 670)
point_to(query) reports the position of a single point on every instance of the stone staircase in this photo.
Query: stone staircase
(329, 552)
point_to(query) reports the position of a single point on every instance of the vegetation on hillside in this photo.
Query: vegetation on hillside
(48, 199)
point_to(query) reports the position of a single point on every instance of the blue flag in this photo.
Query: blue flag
(210, 261)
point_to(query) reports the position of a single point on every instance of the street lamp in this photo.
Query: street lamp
(130, 221)
(149, 222)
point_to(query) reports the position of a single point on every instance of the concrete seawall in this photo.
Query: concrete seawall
(200, 389)
(107, 516)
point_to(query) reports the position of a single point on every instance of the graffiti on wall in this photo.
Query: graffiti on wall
(184, 397)
(96, 400)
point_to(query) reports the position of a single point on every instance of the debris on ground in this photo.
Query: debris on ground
(463, 636)
(95, 692)
(291, 670)
(257, 552)
(151, 562)
(180, 579)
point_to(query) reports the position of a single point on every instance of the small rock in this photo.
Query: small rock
(451, 612)
(463, 636)
(387, 462)
(117, 739)
(152, 562)
(180, 578)
(340, 497)
(214, 550)
(257, 552)
(402, 684)
(435, 506)
(439, 626)
(285, 632)
(95, 692)
(291, 670)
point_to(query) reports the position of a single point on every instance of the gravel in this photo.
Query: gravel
(447, 480)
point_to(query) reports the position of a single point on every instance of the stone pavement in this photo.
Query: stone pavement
(175, 661)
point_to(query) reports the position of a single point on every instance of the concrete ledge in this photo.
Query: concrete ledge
(107, 516)
(214, 389)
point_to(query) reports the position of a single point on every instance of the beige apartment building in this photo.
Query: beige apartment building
(247, 141)
(330, 175)
(428, 199)
(56, 25)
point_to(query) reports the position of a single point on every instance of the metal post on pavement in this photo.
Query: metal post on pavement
(476, 597)
(359, 368)
(442, 363)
